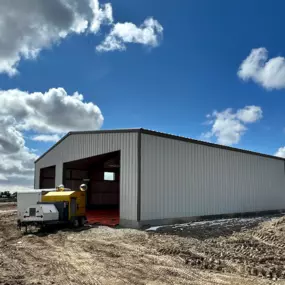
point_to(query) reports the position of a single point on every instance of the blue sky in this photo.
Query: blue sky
(170, 85)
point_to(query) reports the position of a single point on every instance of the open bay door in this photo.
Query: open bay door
(47, 177)
(102, 176)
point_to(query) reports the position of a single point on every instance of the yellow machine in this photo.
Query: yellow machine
(75, 199)
(62, 206)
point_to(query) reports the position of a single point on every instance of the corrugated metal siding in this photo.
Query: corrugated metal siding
(181, 179)
(78, 146)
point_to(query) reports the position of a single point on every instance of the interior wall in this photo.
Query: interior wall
(74, 178)
(103, 193)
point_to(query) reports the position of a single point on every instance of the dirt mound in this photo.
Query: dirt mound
(254, 249)
(272, 232)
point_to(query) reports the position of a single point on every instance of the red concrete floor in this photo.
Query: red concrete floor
(103, 217)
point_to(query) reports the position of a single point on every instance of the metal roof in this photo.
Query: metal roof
(160, 134)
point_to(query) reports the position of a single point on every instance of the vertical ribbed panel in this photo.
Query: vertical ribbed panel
(78, 146)
(182, 179)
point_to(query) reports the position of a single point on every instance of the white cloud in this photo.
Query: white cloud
(149, 33)
(249, 114)
(51, 114)
(17, 161)
(27, 27)
(280, 152)
(268, 73)
(101, 15)
(11, 140)
(46, 138)
(3, 177)
(228, 127)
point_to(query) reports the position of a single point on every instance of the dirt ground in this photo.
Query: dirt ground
(235, 251)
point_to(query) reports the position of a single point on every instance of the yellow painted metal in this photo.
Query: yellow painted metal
(66, 196)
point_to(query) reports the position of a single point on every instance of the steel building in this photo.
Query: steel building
(157, 178)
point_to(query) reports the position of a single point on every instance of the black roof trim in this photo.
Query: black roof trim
(164, 135)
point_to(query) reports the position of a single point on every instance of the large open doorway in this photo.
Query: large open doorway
(47, 177)
(101, 173)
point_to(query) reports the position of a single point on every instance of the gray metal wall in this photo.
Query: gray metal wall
(182, 179)
(78, 146)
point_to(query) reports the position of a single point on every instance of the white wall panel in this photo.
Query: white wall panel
(78, 146)
(181, 179)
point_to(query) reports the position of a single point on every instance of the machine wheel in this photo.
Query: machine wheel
(75, 223)
(82, 221)
(19, 225)
(42, 227)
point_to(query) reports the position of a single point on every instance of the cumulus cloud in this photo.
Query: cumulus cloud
(269, 73)
(16, 159)
(249, 114)
(26, 27)
(280, 152)
(46, 138)
(228, 127)
(3, 177)
(51, 114)
(11, 140)
(29, 26)
(149, 33)
(101, 15)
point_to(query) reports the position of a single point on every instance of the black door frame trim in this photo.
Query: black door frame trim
(139, 176)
